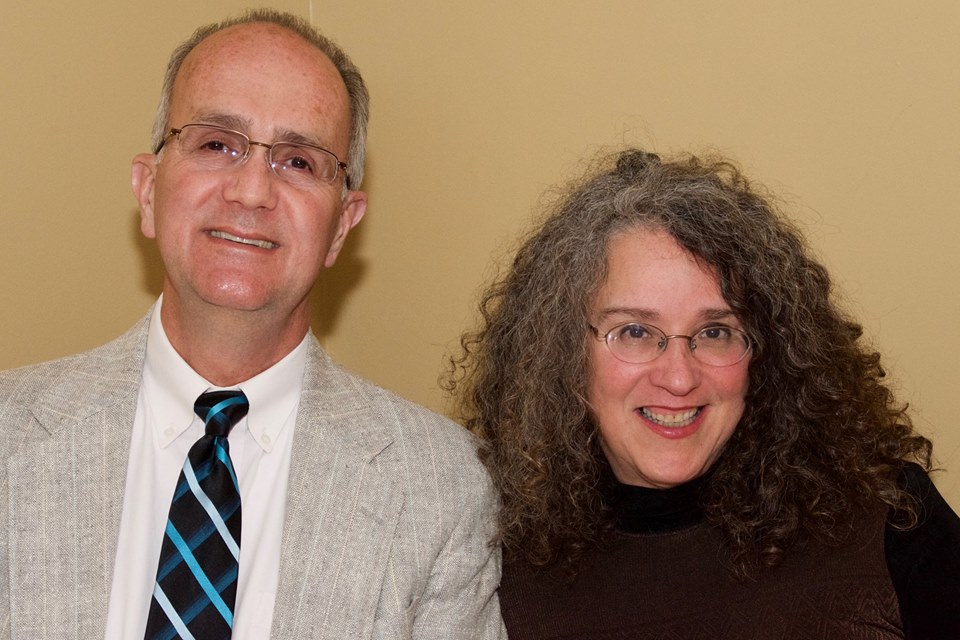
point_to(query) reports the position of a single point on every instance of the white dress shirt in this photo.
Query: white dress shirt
(165, 427)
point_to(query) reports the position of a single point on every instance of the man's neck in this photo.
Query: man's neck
(227, 346)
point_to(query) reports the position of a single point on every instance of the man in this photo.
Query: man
(363, 516)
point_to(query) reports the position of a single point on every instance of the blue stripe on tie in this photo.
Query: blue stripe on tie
(174, 559)
(201, 602)
(224, 456)
(211, 510)
(172, 614)
(196, 539)
(198, 573)
(201, 472)
(223, 404)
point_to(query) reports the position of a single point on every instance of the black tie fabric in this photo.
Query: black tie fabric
(196, 587)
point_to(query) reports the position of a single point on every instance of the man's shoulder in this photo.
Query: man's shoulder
(89, 372)
(417, 430)
(433, 457)
(406, 414)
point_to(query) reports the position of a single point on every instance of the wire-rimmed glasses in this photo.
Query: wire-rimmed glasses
(212, 147)
(717, 345)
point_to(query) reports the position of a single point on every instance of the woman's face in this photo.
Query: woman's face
(662, 422)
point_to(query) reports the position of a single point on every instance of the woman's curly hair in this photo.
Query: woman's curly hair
(821, 436)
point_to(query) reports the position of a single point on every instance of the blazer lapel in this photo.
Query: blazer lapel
(66, 494)
(342, 511)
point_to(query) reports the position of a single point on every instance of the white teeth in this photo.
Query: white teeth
(673, 420)
(263, 244)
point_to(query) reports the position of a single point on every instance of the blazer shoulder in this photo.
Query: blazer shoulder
(419, 432)
(413, 417)
(67, 385)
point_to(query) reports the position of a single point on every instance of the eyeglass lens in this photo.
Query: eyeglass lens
(217, 148)
(717, 344)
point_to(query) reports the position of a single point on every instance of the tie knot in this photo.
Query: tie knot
(220, 410)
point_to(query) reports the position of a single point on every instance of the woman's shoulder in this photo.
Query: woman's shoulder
(924, 560)
(915, 480)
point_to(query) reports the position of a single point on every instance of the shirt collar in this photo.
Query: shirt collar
(274, 394)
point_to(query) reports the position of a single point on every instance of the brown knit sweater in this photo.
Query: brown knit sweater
(670, 584)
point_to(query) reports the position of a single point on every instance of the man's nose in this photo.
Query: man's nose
(252, 182)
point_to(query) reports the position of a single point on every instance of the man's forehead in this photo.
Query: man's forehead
(253, 40)
(282, 78)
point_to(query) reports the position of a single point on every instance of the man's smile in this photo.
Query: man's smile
(263, 244)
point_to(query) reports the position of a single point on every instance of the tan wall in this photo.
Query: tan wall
(848, 109)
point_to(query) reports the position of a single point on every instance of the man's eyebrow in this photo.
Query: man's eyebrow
(224, 120)
(238, 123)
(288, 135)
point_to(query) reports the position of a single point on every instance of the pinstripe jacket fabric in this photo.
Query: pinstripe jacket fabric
(386, 531)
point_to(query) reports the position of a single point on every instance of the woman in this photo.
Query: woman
(688, 435)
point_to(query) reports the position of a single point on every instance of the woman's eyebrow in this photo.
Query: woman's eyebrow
(643, 314)
(634, 313)
(717, 314)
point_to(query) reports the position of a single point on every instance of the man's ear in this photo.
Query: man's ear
(354, 206)
(142, 177)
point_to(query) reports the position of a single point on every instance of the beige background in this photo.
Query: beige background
(847, 109)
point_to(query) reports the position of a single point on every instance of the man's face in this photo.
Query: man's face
(241, 238)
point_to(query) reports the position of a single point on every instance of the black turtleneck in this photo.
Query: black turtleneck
(644, 510)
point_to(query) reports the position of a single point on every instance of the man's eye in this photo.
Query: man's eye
(293, 159)
(300, 164)
(215, 145)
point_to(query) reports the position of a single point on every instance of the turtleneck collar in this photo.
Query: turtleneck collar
(646, 510)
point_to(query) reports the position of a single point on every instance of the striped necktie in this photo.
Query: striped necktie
(196, 586)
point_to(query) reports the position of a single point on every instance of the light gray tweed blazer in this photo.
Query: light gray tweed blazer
(388, 517)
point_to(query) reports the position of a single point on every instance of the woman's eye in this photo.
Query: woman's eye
(633, 332)
(715, 334)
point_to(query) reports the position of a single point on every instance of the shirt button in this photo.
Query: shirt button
(168, 432)
(265, 439)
